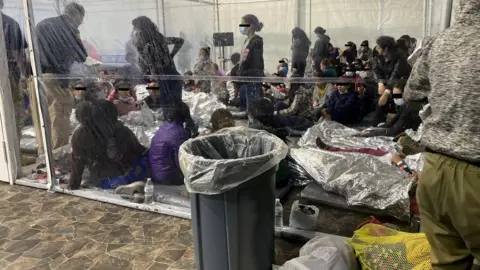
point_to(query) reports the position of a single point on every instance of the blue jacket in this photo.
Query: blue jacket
(163, 154)
(344, 108)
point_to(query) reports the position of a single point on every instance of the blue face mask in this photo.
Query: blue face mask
(399, 102)
(243, 30)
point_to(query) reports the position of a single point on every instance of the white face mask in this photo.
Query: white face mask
(363, 74)
(126, 99)
(349, 73)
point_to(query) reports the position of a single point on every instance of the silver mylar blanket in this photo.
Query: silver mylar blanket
(338, 135)
(201, 106)
(364, 180)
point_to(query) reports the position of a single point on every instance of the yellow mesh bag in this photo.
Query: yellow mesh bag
(379, 247)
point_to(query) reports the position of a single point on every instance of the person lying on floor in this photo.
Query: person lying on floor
(261, 116)
(407, 116)
(123, 97)
(343, 106)
(106, 147)
(221, 118)
(163, 154)
(299, 101)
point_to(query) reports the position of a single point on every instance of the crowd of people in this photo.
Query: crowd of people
(357, 87)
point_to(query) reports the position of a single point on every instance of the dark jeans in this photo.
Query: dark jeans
(300, 66)
(171, 96)
(249, 92)
(381, 113)
(281, 106)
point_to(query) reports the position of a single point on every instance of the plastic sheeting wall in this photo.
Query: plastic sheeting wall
(107, 24)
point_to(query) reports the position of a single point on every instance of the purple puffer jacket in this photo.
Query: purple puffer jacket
(163, 154)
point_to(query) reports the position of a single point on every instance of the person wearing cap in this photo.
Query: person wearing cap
(320, 50)
(365, 53)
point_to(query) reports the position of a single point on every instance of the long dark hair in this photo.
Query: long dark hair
(298, 33)
(253, 21)
(99, 122)
(148, 29)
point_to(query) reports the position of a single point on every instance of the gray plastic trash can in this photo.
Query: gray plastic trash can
(231, 177)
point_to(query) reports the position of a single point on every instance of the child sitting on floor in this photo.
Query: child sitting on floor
(261, 116)
(163, 155)
(106, 147)
(123, 97)
(221, 118)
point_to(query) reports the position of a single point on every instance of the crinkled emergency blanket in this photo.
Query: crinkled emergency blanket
(338, 135)
(364, 180)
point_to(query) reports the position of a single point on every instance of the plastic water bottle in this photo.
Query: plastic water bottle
(278, 216)
(149, 191)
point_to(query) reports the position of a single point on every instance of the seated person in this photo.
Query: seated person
(343, 106)
(221, 118)
(321, 93)
(189, 85)
(153, 98)
(123, 97)
(261, 116)
(106, 147)
(407, 116)
(163, 154)
(300, 101)
(85, 91)
(282, 68)
(327, 68)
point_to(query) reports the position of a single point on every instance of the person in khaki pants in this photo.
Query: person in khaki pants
(60, 105)
(446, 73)
(60, 46)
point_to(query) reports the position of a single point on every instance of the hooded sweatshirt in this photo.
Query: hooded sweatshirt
(447, 74)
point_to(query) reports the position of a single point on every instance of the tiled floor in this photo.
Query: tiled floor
(41, 230)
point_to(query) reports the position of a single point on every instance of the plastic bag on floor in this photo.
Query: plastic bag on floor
(303, 217)
(379, 247)
(324, 253)
(216, 163)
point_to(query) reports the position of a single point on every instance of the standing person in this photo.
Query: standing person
(321, 49)
(300, 48)
(449, 183)
(251, 62)
(15, 45)
(390, 66)
(156, 59)
(60, 46)
(204, 67)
